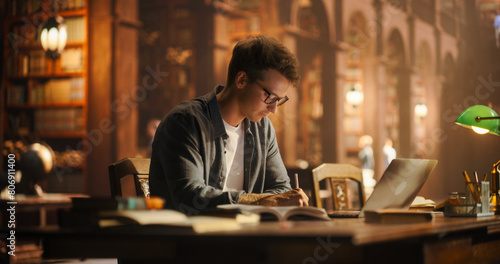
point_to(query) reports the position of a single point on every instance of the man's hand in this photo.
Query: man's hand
(293, 197)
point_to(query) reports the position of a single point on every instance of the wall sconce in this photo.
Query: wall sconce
(482, 120)
(354, 96)
(54, 37)
(420, 110)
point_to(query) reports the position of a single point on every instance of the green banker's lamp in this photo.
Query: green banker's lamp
(482, 120)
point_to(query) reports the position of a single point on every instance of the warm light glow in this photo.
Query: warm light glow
(305, 3)
(421, 110)
(54, 37)
(43, 38)
(479, 130)
(354, 96)
(63, 37)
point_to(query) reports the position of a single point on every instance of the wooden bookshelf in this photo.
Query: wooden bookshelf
(46, 99)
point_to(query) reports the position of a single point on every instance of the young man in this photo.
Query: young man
(221, 148)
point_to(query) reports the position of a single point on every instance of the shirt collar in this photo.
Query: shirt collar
(213, 105)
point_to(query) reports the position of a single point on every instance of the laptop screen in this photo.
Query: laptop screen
(400, 184)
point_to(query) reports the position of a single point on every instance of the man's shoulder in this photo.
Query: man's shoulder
(193, 107)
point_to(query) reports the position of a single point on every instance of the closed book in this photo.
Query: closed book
(396, 216)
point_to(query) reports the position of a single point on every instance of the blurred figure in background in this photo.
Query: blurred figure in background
(150, 132)
(367, 163)
(389, 152)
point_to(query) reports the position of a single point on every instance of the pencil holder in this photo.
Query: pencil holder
(473, 203)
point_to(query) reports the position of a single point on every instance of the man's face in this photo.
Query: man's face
(253, 95)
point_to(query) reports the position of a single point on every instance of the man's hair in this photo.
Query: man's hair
(256, 54)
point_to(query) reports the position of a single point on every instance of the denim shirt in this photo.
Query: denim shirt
(188, 165)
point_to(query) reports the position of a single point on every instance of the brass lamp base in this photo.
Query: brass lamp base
(495, 180)
(494, 200)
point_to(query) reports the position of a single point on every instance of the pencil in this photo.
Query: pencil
(296, 180)
(471, 188)
(478, 187)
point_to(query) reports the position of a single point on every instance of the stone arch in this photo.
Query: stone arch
(397, 94)
(315, 94)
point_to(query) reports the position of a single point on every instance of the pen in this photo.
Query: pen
(296, 180)
(471, 188)
(478, 187)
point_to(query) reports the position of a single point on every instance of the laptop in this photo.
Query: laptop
(396, 189)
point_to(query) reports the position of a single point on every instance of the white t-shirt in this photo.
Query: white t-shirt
(234, 149)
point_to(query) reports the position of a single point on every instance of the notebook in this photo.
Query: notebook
(397, 188)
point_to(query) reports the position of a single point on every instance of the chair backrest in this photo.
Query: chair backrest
(335, 172)
(138, 167)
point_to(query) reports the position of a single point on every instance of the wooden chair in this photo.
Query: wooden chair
(138, 168)
(337, 175)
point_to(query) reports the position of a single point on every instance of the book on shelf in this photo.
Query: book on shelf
(23, 34)
(28, 7)
(63, 90)
(33, 62)
(16, 94)
(36, 93)
(281, 213)
(72, 60)
(75, 26)
(9, 64)
(25, 7)
(70, 4)
(37, 62)
(59, 120)
(20, 122)
(398, 216)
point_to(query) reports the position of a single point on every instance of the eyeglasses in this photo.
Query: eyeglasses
(272, 98)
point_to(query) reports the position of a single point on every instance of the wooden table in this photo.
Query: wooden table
(26, 206)
(445, 240)
(25, 212)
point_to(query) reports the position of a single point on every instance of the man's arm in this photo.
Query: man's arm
(276, 176)
(293, 197)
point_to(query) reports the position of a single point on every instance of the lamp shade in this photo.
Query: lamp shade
(480, 118)
(54, 36)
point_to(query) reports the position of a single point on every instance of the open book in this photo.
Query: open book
(142, 217)
(199, 224)
(422, 204)
(281, 213)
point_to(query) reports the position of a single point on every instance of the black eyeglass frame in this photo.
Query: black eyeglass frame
(275, 98)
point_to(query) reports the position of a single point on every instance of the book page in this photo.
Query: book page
(282, 213)
(147, 217)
